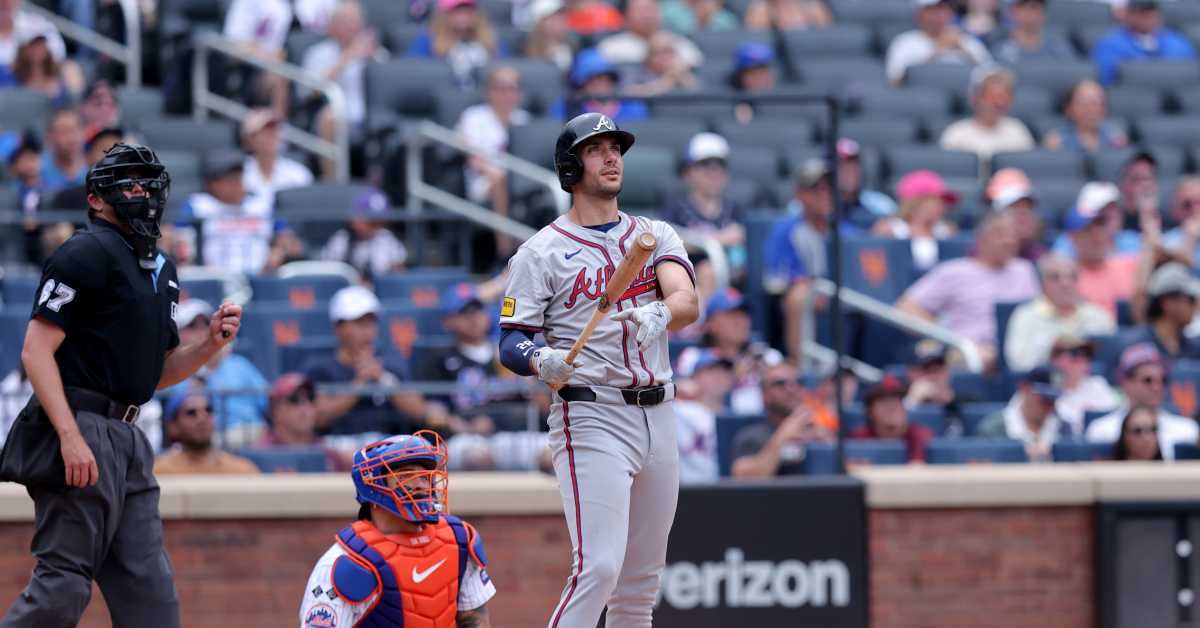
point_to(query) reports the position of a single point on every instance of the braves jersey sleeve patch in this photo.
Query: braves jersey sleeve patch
(528, 292)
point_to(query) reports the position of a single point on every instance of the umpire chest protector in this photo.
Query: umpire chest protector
(414, 578)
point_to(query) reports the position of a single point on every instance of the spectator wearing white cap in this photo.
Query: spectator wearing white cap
(549, 36)
(343, 57)
(1010, 189)
(935, 40)
(705, 207)
(1171, 305)
(237, 387)
(355, 368)
(18, 26)
(260, 28)
(1106, 275)
(365, 242)
(990, 129)
(266, 171)
(1059, 310)
(1143, 375)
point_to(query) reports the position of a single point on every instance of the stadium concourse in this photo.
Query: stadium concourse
(1021, 174)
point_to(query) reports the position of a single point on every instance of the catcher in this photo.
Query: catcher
(404, 562)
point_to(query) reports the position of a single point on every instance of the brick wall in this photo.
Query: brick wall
(251, 574)
(984, 568)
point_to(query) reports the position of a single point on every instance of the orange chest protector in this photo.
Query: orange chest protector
(414, 578)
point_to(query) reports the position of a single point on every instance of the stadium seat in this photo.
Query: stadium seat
(705, 111)
(670, 133)
(1087, 35)
(1080, 451)
(948, 163)
(974, 450)
(186, 134)
(301, 293)
(381, 12)
(397, 320)
(837, 40)
(1057, 76)
(973, 414)
(1004, 311)
(819, 459)
(400, 88)
(881, 268)
(183, 165)
(335, 199)
(1047, 163)
(209, 290)
(932, 417)
(18, 292)
(399, 35)
(872, 12)
(1158, 74)
(727, 428)
(288, 459)
(1031, 102)
(1107, 165)
(1181, 15)
(948, 77)
(297, 44)
(847, 77)
(762, 133)
(646, 169)
(420, 286)
(781, 110)
(1092, 415)
(907, 102)
(1055, 195)
(759, 165)
(956, 246)
(881, 131)
(534, 141)
(452, 101)
(1187, 451)
(1183, 389)
(298, 357)
(140, 103)
(1079, 12)
(870, 451)
(1181, 131)
(1132, 101)
(22, 109)
(721, 45)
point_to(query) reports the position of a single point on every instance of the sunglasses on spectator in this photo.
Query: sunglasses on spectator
(1139, 430)
(783, 382)
(197, 411)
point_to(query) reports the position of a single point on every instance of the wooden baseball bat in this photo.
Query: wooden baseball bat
(630, 266)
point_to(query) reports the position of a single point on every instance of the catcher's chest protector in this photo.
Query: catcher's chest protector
(416, 577)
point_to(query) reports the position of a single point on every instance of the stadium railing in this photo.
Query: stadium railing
(128, 54)
(205, 100)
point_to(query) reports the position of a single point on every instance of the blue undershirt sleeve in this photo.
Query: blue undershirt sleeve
(515, 347)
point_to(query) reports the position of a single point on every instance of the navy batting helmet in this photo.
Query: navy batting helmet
(574, 133)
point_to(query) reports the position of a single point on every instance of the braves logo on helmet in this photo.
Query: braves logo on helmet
(574, 133)
(604, 124)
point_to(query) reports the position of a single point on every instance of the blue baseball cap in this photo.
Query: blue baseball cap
(589, 64)
(1044, 382)
(752, 54)
(724, 301)
(171, 407)
(460, 296)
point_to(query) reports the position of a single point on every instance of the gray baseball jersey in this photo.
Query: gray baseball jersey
(555, 279)
(617, 465)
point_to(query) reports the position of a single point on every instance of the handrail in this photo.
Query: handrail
(828, 356)
(129, 53)
(338, 150)
(890, 314)
(418, 189)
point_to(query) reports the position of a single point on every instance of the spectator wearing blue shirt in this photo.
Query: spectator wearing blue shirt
(238, 388)
(595, 81)
(1140, 37)
(64, 163)
(795, 249)
(460, 34)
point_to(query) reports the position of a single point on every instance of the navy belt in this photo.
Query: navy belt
(81, 399)
(640, 397)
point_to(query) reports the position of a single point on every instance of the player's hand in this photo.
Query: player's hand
(79, 461)
(551, 366)
(225, 324)
(651, 321)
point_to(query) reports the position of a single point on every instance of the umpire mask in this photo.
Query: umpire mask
(116, 179)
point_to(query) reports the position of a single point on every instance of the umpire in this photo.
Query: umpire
(101, 339)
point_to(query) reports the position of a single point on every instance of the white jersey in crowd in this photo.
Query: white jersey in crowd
(322, 607)
(557, 277)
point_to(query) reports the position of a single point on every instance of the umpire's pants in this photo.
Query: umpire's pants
(110, 532)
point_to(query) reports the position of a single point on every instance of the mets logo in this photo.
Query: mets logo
(321, 616)
(605, 124)
(874, 265)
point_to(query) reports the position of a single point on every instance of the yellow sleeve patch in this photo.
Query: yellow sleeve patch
(508, 307)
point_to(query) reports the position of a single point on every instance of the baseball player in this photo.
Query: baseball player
(405, 562)
(612, 429)
(100, 340)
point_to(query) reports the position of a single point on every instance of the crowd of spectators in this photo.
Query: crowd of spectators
(1082, 311)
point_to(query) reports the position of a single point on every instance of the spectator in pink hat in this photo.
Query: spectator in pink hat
(961, 294)
(462, 35)
(924, 201)
(1143, 375)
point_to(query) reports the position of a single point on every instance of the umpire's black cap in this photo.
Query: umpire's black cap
(578, 130)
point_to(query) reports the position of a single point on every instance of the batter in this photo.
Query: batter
(612, 427)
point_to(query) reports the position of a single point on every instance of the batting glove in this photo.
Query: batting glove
(551, 366)
(651, 321)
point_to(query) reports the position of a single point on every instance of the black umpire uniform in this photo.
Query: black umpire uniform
(113, 293)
